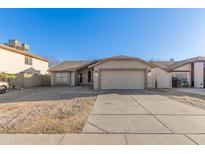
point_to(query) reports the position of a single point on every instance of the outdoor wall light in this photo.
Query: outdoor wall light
(96, 73)
(78, 75)
(149, 73)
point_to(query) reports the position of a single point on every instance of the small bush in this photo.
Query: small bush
(7, 76)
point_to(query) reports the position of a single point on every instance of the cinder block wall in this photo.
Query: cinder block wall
(30, 80)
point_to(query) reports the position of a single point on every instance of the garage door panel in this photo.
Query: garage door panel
(122, 79)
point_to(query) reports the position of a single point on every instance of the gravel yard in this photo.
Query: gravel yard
(187, 98)
(46, 110)
(58, 110)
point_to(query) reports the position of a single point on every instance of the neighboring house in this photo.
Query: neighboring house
(123, 72)
(16, 58)
(185, 73)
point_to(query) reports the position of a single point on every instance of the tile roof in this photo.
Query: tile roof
(69, 65)
(163, 64)
(166, 65)
(119, 57)
(22, 52)
(31, 70)
(183, 62)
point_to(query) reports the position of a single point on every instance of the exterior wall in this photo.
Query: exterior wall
(149, 80)
(198, 75)
(117, 64)
(204, 74)
(84, 77)
(13, 63)
(159, 79)
(73, 78)
(54, 82)
(170, 80)
(186, 67)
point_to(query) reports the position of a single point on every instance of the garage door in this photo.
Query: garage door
(122, 79)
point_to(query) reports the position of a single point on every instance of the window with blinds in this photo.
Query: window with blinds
(28, 60)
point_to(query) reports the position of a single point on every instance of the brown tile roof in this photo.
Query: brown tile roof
(69, 65)
(163, 64)
(31, 70)
(77, 65)
(171, 65)
(186, 61)
(22, 52)
(119, 57)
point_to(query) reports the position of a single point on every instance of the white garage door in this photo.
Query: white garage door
(122, 79)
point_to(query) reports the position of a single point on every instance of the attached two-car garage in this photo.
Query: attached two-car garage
(122, 79)
(121, 72)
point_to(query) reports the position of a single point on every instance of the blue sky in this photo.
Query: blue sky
(157, 34)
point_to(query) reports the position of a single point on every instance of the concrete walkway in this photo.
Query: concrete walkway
(101, 139)
(130, 118)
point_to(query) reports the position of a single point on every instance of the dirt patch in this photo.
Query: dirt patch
(187, 98)
(57, 116)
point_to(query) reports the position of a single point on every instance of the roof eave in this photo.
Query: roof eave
(157, 66)
(61, 70)
(22, 53)
(185, 63)
(104, 60)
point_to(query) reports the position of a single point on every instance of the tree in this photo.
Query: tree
(52, 61)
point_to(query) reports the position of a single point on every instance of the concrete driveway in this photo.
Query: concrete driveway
(144, 118)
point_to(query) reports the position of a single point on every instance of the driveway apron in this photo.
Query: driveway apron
(143, 113)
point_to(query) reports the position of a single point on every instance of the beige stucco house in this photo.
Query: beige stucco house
(123, 72)
(119, 72)
(14, 59)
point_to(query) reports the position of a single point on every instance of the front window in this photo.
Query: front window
(182, 78)
(61, 77)
(28, 60)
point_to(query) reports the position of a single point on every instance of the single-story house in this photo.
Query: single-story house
(124, 72)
